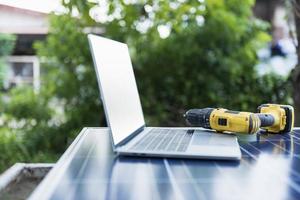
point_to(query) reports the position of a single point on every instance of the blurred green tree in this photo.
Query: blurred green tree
(7, 43)
(185, 54)
(295, 74)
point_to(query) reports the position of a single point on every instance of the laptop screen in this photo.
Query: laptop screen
(117, 85)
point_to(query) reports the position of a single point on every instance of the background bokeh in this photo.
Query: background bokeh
(186, 54)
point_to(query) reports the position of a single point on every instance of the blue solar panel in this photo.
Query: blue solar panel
(269, 169)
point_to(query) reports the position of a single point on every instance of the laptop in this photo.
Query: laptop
(123, 110)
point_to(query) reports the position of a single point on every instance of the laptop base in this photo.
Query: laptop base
(204, 144)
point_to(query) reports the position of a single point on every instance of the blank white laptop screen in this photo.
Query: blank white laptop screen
(118, 87)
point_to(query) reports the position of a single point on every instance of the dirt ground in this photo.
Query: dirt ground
(24, 184)
(20, 189)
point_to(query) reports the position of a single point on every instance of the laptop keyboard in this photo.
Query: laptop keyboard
(165, 140)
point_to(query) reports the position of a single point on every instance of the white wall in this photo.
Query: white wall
(19, 21)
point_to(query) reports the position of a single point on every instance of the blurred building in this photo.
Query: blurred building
(29, 26)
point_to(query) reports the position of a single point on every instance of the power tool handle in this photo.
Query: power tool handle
(266, 120)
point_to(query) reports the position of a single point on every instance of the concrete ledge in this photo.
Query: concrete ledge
(20, 180)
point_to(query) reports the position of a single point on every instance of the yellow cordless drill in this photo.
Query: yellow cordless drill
(273, 118)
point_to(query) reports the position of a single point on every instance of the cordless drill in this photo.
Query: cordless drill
(273, 118)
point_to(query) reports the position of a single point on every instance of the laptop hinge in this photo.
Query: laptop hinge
(132, 135)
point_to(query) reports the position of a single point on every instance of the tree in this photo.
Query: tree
(7, 43)
(296, 71)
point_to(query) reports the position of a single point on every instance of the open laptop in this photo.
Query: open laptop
(124, 114)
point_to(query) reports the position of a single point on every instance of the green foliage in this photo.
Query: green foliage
(11, 148)
(7, 43)
(205, 57)
(27, 123)
(70, 75)
(202, 77)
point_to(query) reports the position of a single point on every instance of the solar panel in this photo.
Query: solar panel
(269, 169)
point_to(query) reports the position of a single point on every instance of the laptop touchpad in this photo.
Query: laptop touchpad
(201, 137)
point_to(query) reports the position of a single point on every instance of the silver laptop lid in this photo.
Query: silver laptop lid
(117, 85)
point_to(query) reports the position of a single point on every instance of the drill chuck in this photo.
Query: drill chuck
(199, 117)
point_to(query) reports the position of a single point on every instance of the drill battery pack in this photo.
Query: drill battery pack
(284, 120)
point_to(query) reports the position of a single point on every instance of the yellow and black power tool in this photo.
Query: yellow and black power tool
(273, 118)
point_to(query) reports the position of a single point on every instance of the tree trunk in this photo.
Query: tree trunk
(296, 70)
(265, 9)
